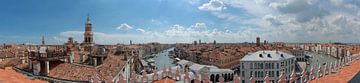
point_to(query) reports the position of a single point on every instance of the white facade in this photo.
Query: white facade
(261, 62)
(214, 72)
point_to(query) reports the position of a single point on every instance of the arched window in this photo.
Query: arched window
(225, 77)
(217, 78)
(212, 77)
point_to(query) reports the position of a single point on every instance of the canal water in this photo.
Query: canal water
(162, 59)
(319, 60)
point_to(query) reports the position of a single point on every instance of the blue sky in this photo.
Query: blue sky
(171, 21)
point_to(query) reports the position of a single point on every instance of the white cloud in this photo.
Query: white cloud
(213, 5)
(124, 26)
(140, 30)
(102, 38)
(226, 16)
(175, 34)
(273, 20)
(297, 20)
(199, 26)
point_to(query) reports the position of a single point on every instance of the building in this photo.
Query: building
(43, 59)
(214, 73)
(260, 63)
(71, 62)
(88, 36)
(299, 54)
(257, 41)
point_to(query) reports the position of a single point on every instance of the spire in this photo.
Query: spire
(43, 40)
(88, 19)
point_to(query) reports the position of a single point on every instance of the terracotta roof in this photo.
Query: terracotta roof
(110, 67)
(106, 71)
(226, 52)
(6, 54)
(165, 80)
(72, 72)
(11, 76)
(10, 62)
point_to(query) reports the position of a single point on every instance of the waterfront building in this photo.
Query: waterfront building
(260, 63)
(214, 72)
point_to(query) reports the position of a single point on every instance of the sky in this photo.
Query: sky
(180, 21)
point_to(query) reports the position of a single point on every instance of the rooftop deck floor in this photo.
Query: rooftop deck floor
(343, 76)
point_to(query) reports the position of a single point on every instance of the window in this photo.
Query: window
(266, 65)
(289, 62)
(277, 73)
(243, 81)
(243, 73)
(269, 72)
(272, 66)
(255, 66)
(256, 73)
(251, 65)
(242, 65)
(251, 73)
(277, 65)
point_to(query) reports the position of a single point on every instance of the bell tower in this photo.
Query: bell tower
(88, 35)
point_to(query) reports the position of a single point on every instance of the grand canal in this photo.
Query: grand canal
(162, 59)
(317, 60)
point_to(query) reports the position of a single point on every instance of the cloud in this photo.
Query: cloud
(303, 10)
(140, 30)
(194, 1)
(199, 26)
(174, 34)
(101, 38)
(216, 7)
(213, 5)
(296, 20)
(272, 20)
(124, 26)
